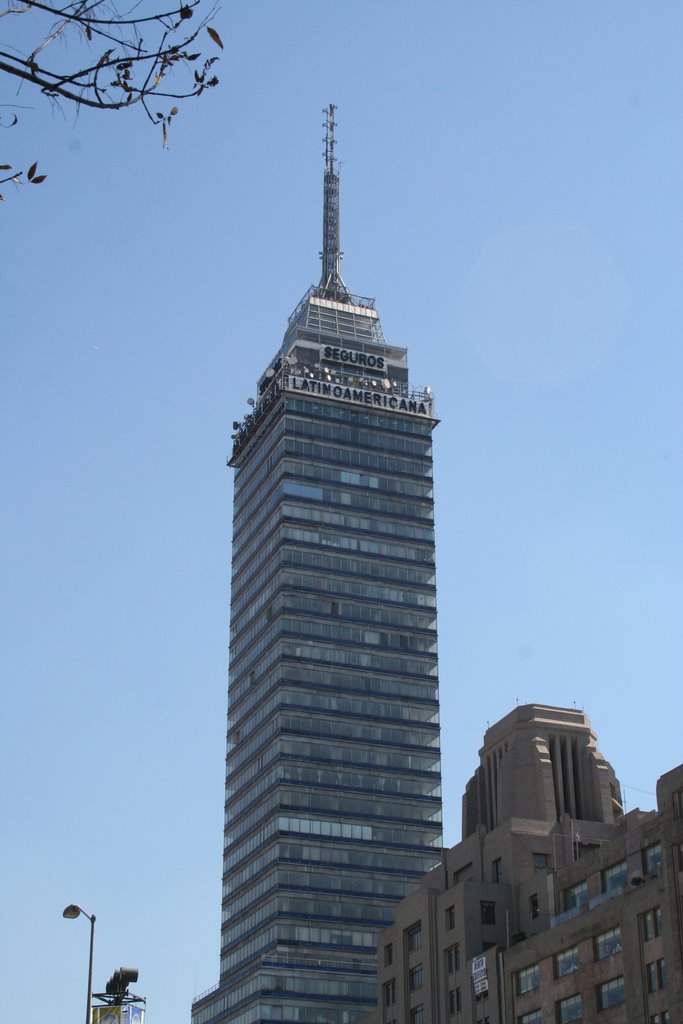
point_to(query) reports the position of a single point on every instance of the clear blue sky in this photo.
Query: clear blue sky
(512, 194)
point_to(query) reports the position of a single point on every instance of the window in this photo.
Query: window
(614, 877)
(497, 870)
(417, 1015)
(652, 858)
(576, 896)
(566, 962)
(678, 803)
(652, 923)
(414, 936)
(569, 1009)
(534, 1017)
(661, 973)
(533, 906)
(462, 874)
(452, 959)
(528, 979)
(540, 861)
(389, 989)
(611, 993)
(608, 943)
(415, 978)
(450, 918)
(388, 954)
(488, 912)
(454, 1001)
(656, 975)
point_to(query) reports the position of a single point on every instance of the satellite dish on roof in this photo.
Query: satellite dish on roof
(270, 372)
(250, 401)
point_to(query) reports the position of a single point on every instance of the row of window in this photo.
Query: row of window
(419, 699)
(342, 586)
(353, 437)
(338, 497)
(348, 566)
(393, 527)
(610, 993)
(609, 942)
(350, 634)
(331, 705)
(354, 611)
(614, 877)
(372, 731)
(362, 544)
(354, 657)
(344, 414)
(314, 451)
(404, 487)
(567, 961)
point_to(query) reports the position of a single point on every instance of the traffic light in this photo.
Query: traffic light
(117, 986)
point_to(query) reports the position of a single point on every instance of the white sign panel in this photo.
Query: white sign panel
(480, 978)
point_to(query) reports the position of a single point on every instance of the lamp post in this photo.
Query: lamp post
(71, 912)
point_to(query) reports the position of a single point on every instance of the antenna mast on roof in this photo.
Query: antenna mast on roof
(331, 282)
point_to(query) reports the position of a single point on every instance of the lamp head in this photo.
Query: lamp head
(72, 911)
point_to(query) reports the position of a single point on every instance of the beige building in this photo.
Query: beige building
(555, 907)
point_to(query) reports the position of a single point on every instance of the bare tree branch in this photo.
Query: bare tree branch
(125, 72)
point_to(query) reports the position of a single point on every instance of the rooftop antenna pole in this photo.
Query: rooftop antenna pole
(331, 284)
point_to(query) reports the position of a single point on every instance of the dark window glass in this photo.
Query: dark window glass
(569, 1009)
(528, 979)
(488, 912)
(567, 962)
(415, 978)
(608, 943)
(611, 993)
(652, 858)
(414, 936)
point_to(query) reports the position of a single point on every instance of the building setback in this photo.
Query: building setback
(556, 907)
(333, 800)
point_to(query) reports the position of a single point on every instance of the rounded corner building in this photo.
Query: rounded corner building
(333, 784)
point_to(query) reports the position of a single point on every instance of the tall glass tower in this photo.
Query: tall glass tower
(333, 799)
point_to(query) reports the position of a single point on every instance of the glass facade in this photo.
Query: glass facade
(333, 800)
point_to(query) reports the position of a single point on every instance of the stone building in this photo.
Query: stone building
(556, 906)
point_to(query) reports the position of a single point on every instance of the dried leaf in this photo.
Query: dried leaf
(174, 111)
(163, 128)
(214, 35)
(88, 32)
(160, 116)
(5, 167)
(185, 12)
(31, 171)
(38, 179)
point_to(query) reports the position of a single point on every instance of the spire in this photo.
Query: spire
(331, 283)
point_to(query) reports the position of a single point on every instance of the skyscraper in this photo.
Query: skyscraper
(333, 800)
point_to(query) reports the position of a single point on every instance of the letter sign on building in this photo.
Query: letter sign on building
(480, 978)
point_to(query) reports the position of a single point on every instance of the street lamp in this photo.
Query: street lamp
(71, 912)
